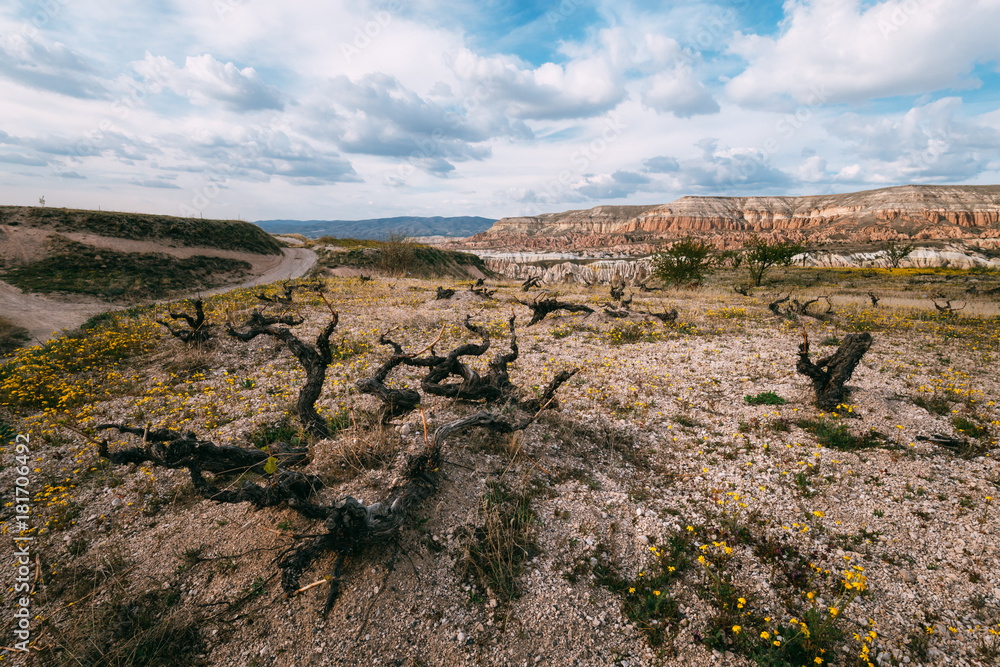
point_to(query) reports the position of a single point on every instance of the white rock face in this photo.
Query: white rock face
(599, 272)
(520, 266)
(955, 257)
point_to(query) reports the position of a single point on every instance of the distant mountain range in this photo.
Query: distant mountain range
(380, 228)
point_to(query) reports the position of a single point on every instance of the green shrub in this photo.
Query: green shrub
(684, 261)
(969, 428)
(761, 255)
(764, 398)
(830, 433)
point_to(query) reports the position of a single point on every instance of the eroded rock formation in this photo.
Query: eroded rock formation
(913, 212)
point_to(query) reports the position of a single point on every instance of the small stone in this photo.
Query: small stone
(638, 511)
(461, 637)
(644, 539)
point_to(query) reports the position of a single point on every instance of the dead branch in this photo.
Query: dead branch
(874, 299)
(742, 289)
(171, 449)
(617, 313)
(534, 281)
(480, 290)
(286, 299)
(395, 402)
(473, 387)
(197, 331)
(775, 308)
(829, 384)
(666, 316)
(947, 308)
(314, 359)
(444, 293)
(542, 306)
(259, 319)
(796, 308)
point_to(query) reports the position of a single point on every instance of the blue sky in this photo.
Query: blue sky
(358, 109)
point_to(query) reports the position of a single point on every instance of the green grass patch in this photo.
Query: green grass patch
(646, 598)
(969, 428)
(831, 433)
(81, 269)
(397, 256)
(223, 234)
(764, 398)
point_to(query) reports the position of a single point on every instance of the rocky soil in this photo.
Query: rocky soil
(652, 459)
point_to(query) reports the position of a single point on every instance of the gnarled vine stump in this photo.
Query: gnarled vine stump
(839, 367)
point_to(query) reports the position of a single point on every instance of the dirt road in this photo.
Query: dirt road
(44, 317)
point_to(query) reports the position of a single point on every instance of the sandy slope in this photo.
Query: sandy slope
(45, 316)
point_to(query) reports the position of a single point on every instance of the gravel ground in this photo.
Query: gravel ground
(652, 443)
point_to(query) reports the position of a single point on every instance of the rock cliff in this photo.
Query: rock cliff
(910, 212)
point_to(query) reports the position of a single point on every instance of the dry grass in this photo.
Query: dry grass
(366, 446)
(497, 549)
(11, 336)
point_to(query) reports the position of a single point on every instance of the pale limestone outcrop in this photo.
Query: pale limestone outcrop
(634, 271)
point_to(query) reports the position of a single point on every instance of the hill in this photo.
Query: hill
(166, 229)
(380, 228)
(60, 266)
(913, 212)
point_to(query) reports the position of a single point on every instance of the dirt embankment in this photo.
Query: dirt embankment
(44, 316)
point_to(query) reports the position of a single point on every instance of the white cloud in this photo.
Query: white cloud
(932, 142)
(206, 81)
(579, 89)
(31, 62)
(835, 51)
(680, 93)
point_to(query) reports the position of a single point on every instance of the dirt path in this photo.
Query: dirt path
(44, 317)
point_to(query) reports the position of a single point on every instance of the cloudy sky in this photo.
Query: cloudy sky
(355, 109)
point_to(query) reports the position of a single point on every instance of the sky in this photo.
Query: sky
(357, 109)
